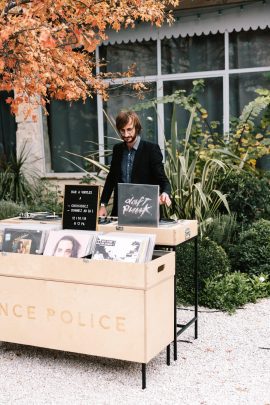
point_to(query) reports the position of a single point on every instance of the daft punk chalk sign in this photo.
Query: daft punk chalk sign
(138, 204)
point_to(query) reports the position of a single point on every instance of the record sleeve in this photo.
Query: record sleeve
(138, 204)
(69, 243)
(129, 248)
(150, 244)
(24, 241)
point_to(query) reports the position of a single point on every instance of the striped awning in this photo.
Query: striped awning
(237, 17)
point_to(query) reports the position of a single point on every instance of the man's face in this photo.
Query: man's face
(128, 133)
(64, 248)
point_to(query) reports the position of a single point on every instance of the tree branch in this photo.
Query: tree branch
(12, 4)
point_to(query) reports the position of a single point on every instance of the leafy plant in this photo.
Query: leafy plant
(231, 291)
(250, 134)
(212, 260)
(194, 193)
(17, 180)
(48, 198)
(222, 229)
(247, 195)
(190, 168)
(201, 131)
(9, 209)
(252, 252)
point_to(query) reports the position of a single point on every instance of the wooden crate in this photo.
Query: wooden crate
(171, 235)
(103, 308)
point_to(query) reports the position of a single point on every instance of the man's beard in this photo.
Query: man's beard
(130, 139)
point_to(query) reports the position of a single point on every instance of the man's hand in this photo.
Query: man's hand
(102, 212)
(164, 199)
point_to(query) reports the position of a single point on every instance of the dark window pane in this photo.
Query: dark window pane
(122, 98)
(211, 99)
(120, 57)
(242, 89)
(8, 128)
(71, 128)
(249, 49)
(192, 54)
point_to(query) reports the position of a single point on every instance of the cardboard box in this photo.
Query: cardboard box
(103, 308)
(170, 235)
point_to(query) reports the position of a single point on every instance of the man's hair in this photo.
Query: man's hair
(123, 118)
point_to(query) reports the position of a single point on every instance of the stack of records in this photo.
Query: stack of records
(70, 243)
(24, 238)
(128, 247)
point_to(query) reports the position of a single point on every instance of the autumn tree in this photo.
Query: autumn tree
(47, 46)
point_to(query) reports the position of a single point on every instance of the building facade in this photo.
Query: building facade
(226, 45)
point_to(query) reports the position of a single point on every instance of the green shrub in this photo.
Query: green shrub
(9, 209)
(223, 229)
(247, 196)
(48, 198)
(17, 179)
(231, 291)
(252, 252)
(212, 260)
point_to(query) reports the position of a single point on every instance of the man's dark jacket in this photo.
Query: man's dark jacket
(147, 169)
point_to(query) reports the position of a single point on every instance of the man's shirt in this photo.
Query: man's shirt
(127, 161)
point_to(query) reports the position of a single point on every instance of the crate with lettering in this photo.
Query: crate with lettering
(103, 308)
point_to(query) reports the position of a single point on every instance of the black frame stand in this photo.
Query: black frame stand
(180, 328)
(143, 376)
(168, 361)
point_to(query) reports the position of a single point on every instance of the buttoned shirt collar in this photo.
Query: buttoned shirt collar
(136, 144)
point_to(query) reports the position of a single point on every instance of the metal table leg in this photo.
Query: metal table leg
(194, 320)
(168, 355)
(143, 376)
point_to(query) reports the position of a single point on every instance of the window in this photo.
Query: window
(192, 54)
(232, 66)
(72, 128)
(242, 89)
(120, 57)
(249, 49)
(211, 99)
(8, 129)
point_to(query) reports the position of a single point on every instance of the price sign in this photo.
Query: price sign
(81, 207)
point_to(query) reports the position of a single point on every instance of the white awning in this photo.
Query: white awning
(250, 16)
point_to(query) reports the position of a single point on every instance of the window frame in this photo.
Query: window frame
(160, 78)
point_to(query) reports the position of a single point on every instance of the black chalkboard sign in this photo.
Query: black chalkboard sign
(138, 204)
(81, 207)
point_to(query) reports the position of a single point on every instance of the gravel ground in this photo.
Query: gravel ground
(228, 364)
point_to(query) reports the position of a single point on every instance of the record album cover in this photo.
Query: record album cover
(131, 248)
(138, 204)
(69, 243)
(23, 241)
